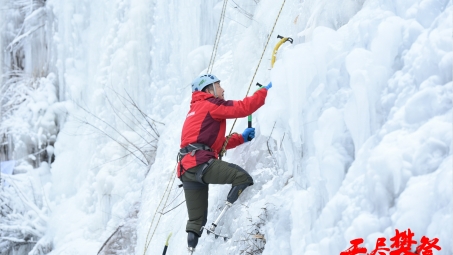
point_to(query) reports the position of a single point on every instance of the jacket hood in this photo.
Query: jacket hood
(200, 96)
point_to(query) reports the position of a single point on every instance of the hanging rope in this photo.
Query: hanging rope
(222, 152)
(217, 37)
(262, 54)
(170, 183)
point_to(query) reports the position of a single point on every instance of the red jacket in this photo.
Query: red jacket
(206, 123)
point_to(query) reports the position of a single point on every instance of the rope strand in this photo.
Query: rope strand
(217, 37)
(222, 152)
(170, 183)
(262, 54)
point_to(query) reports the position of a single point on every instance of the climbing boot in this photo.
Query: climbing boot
(192, 240)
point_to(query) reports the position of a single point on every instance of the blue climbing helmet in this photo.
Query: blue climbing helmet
(204, 80)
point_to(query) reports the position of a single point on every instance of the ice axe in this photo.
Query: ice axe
(282, 41)
(260, 86)
(274, 57)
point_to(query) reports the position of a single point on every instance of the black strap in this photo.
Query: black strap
(202, 171)
(191, 148)
(199, 184)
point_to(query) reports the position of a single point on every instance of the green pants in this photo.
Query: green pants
(196, 193)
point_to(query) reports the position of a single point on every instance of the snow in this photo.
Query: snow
(354, 141)
(6, 167)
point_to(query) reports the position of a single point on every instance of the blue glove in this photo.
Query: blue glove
(268, 86)
(248, 134)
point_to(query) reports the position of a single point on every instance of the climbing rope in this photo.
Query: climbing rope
(223, 150)
(262, 54)
(217, 37)
(170, 183)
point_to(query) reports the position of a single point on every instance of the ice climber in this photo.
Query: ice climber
(202, 139)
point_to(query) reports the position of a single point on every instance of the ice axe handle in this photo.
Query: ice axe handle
(249, 125)
(250, 116)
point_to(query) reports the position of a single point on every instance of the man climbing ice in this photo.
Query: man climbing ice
(202, 139)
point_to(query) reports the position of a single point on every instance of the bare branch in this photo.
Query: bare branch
(118, 132)
(121, 98)
(108, 239)
(87, 123)
(269, 150)
(153, 126)
(117, 114)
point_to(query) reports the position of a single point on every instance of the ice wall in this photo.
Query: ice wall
(354, 139)
(342, 133)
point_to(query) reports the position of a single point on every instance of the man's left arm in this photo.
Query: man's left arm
(235, 140)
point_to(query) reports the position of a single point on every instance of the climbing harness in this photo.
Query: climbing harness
(217, 37)
(199, 174)
(191, 148)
